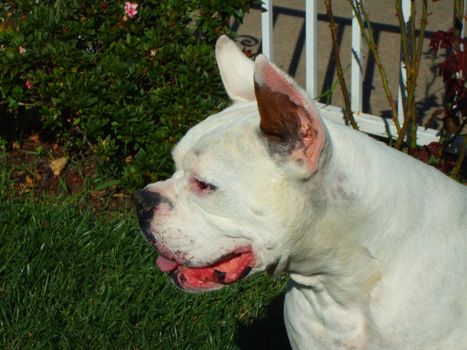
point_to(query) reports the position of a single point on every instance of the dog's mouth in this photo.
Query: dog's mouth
(226, 270)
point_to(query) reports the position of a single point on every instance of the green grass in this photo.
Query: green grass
(71, 280)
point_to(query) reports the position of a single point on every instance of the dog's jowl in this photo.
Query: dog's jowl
(375, 242)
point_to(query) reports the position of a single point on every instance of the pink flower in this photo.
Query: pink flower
(131, 9)
(21, 50)
(28, 85)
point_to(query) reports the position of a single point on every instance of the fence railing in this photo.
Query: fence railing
(368, 123)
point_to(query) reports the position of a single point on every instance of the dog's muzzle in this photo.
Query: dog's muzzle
(146, 202)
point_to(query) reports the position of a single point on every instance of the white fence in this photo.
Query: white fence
(368, 123)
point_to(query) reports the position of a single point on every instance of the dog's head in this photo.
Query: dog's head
(236, 199)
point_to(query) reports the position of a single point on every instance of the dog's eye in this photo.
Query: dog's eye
(201, 186)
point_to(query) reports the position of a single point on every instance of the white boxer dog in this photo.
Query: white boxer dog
(375, 242)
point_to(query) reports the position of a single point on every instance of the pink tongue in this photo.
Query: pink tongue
(165, 264)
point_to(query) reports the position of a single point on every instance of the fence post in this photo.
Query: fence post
(356, 67)
(266, 29)
(402, 93)
(311, 21)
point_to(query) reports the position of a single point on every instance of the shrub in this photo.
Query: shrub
(124, 86)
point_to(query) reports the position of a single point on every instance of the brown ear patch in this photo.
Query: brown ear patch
(279, 121)
(288, 119)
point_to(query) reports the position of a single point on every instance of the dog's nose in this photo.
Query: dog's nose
(145, 202)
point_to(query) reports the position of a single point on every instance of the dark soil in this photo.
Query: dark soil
(31, 164)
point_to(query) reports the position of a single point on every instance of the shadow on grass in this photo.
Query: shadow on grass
(268, 332)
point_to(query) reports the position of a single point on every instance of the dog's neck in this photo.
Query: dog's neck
(333, 251)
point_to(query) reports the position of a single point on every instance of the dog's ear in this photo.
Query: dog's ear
(289, 119)
(236, 70)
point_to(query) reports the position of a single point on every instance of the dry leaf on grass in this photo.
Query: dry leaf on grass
(57, 165)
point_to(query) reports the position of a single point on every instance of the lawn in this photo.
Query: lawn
(71, 278)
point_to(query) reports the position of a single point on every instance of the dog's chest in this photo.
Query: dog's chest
(315, 321)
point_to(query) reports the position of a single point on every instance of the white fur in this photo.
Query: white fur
(235, 69)
(375, 242)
